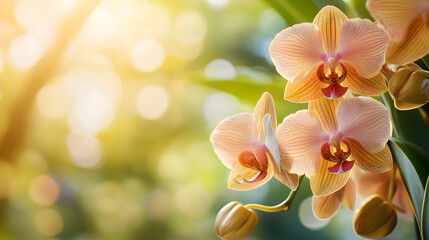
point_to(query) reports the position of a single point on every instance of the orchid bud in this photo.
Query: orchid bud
(409, 87)
(234, 221)
(375, 219)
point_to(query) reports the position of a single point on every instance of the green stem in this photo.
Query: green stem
(285, 205)
(392, 186)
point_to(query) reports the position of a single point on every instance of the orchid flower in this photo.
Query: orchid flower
(246, 144)
(378, 183)
(407, 22)
(326, 206)
(327, 140)
(329, 56)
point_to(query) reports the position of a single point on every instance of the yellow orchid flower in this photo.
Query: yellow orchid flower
(329, 56)
(246, 144)
(407, 22)
(327, 140)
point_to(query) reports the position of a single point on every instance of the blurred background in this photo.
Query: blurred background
(106, 108)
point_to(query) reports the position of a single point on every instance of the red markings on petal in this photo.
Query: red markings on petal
(334, 91)
(256, 160)
(341, 167)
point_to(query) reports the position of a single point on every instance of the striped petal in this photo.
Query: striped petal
(365, 86)
(414, 46)
(265, 105)
(305, 92)
(329, 20)
(324, 183)
(326, 206)
(349, 196)
(371, 162)
(300, 138)
(239, 173)
(296, 50)
(325, 110)
(288, 179)
(365, 120)
(395, 15)
(234, 135)
(363, 44)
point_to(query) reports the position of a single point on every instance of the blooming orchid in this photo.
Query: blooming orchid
(246, 144)
(329, 56)
(407, 22)
(326, 141)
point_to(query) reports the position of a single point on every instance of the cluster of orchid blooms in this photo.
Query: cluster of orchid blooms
(340, 141)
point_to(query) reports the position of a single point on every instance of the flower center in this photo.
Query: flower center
(337, 151)
(334, 90)
(256, 164)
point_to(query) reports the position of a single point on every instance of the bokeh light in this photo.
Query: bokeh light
(148, 55)
(193, 200)
(190, 28)
(44, 190)
(158, 204)
(24, 52)
(53, 101)
(220, 69)
(307, 217)
(84, 149)
(218, 106)
(49, 222)
(152, 102)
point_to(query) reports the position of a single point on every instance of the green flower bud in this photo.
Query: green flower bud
(409, 87)
(375, 219)
(234, 222)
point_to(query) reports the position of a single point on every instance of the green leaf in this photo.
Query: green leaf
(343, 6)
(411, 179)
(418, 158)
(294, 11)
(425, 213)
(408, 125)
(360, 8)
(426, 61)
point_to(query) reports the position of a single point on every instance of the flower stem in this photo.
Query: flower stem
(392, 186)
(285, 205)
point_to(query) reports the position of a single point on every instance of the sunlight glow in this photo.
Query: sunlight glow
(152, 102)
(218, 106)
(190, 28)
(193, 200)
(53, 101)
(218, 3)
(148, 55)
(220, 69)
(24, 52)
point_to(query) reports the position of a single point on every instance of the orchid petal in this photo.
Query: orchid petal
(305, 92)
(364, 86)
(324, 183)
(341, 167)
(329, 20)
(363, 44)
(265, 105)
(234, 181)
(325, 110)
(365, 120)
(414, 46)
(371, 162)
(334, 91)
(300, 138)
(232, 136)
(325, 206)
(395, 15)
(296, 50)
(288, 179)
(349, 196)
(270, 139)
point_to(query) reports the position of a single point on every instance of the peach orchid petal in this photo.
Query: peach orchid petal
(305, 92)
(329, 20)
(324, 182)
(233, 136)
(365, 120)
(270, 139)
(371, 162)
(326, 206)
(296, 51)
(414, 46)
(395, 15)
(349, 196)
(299, 138)
(325, 109)
(364, 86)
(363, 44)
(288, 179)
(248, 174)
(265, 105)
